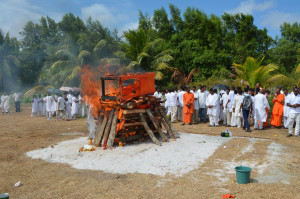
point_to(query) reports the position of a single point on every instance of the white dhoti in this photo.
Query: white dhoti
(213, 120)
(173, 110)
(292, 118)
(180, 113)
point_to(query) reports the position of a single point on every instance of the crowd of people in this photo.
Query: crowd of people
(233, 107)
(67, 106)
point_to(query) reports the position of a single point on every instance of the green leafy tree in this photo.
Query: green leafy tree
(9, 63)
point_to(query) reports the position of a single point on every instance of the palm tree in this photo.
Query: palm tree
(252, 72)
(9, 63)
(147, 55)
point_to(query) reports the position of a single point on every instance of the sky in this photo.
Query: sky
(123, 14)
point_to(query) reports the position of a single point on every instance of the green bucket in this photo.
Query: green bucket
(4, 196)
(243, 174)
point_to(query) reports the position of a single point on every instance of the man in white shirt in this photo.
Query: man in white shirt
(61, 113)
(173, 100)
(6, 103)
(49, 100)
(195, 116)
(212, 103)
(225, 100)
(74, 110)
(286, 108)
(70, 97)
(2, 103)
(180, 104)
(237, 111)
(17, 98)
(261, 103)
(294, 115)
(157, 93)
(229, 105)
(202, 105)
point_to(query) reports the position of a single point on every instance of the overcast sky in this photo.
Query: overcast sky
(123, 14)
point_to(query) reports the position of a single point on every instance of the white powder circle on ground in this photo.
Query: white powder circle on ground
(174, 157)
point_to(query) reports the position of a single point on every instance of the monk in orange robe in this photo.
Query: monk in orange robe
(277, 112)
(188, 106)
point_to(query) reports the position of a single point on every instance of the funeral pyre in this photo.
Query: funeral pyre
(127, 111)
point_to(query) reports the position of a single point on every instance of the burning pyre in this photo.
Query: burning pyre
(124, 108)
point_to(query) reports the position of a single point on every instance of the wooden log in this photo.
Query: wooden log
(169, 123)
(133, 124)
(112, 134)
(100, 121)
(98, 138)
(125, 112)
(107, 128)
(164, 122)
(148, 130)
(156, 125)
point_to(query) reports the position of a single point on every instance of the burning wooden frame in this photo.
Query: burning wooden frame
(130, 112)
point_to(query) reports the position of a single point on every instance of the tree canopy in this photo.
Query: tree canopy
(171, 45)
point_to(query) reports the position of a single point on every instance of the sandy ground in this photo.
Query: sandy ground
(274, 158)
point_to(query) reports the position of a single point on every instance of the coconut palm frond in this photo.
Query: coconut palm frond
(158, 75)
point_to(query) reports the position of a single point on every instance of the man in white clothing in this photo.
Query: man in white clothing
(180, 104)
(70, 97)
(49, 100)
(167, 103)
(229, 106)
(236, 110)
(195, 116)
(61, 113)
(17, 98)
(35, 106)
(212, 103)
(157, 93)
(202, 105)
(6, 103)
(74, 110)
(225, 100)
(173, 100)
(261, 103)
(2, 103)
(286, 108)
(294, 115)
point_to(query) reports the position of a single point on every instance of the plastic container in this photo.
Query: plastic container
(4, 196)
(243, 174)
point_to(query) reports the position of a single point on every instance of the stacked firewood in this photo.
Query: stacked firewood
(140, 119)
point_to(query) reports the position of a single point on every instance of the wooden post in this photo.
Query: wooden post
(100, 121)
(169, 123)
(112, 134)
(107, 128)
(168, 128)
(156, 125)
(98, 138)
(148, 130)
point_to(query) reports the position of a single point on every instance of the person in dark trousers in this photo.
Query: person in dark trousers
(246, 107)
(17, 99)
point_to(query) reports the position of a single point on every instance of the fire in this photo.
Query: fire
(123, 105)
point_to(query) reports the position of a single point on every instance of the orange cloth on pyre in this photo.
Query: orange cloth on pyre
(188, 98)
(277, 110)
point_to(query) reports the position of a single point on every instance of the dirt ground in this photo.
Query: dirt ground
(20, 133)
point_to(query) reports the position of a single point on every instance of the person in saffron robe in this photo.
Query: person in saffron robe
(277, 112)
(188, 106)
